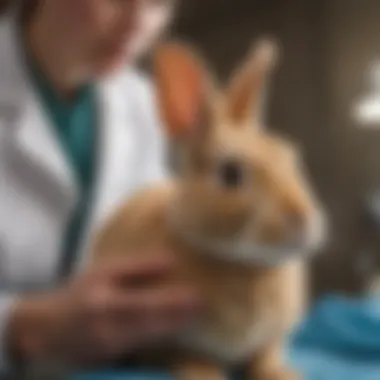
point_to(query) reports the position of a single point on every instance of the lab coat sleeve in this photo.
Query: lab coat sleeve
(7, 302)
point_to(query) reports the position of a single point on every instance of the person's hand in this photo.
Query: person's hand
(108, 311)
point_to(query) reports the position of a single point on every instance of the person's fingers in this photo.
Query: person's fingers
(131, 324)
(163, 324)
(137, 269)
(154, 300)
(105, 301)
(112, 336)
(121, 336)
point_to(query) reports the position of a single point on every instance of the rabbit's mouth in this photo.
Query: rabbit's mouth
(248, 252)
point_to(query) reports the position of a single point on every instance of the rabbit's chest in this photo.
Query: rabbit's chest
(235, 323)
(225, 343)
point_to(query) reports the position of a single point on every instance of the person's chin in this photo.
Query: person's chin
(109, 68)
(113, 65)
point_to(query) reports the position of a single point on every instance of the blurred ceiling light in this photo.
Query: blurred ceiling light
(367, 109)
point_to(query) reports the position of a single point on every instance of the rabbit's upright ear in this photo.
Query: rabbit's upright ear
(246, 91)
(182, 89)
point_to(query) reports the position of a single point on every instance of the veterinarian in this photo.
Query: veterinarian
(78, 134)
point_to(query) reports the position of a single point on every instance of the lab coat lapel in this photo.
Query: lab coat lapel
(117, 170)
(40, 147)
(34, 139)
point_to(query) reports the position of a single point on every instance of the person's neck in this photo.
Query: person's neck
(63, 73)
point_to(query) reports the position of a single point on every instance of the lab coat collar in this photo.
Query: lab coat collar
(34, 138)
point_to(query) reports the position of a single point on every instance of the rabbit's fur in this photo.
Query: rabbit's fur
(241, 217)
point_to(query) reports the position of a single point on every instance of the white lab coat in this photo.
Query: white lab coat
(37, 188)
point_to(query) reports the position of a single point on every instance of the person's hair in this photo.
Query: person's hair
(4, 6)
(27, 6)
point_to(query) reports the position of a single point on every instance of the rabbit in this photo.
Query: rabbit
(240, 215)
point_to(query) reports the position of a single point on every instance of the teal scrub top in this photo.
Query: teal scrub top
(75, 125)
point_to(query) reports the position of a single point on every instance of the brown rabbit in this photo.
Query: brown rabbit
(240, 217)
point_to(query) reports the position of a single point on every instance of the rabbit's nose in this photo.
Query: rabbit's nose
(297, 221)
(297, 225)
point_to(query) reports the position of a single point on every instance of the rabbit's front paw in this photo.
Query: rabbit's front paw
(279, 374)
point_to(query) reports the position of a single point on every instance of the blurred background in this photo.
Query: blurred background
(328, 70)
(325, 95)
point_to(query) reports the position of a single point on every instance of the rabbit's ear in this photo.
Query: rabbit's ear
(182, 83)
(246, 91)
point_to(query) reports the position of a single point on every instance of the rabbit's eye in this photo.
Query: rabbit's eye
(231, 174)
